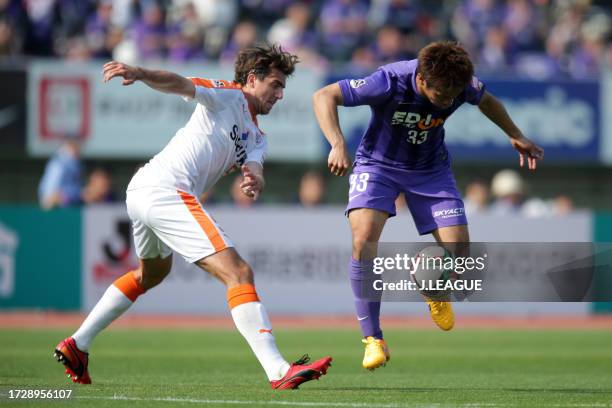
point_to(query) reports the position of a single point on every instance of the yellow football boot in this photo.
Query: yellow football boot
(376, 353)
(441, 313)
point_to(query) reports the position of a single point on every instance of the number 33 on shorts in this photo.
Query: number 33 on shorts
(359, 183)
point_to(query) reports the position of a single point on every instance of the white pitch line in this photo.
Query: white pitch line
(286, 403)
(329, 404)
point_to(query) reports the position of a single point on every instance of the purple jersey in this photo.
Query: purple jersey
(406, 130)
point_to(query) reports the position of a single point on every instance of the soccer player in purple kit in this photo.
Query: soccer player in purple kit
(403, 150)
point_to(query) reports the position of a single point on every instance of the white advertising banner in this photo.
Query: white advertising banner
(300, 259)
(70, 99)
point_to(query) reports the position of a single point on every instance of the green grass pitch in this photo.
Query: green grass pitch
(183, 368)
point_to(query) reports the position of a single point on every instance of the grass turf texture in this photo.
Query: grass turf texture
(183, 368)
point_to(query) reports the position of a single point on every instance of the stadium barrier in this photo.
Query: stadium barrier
(602, 226)
(65, 259)
(40, 258)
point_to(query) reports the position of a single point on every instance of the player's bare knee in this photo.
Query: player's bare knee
(364, 248)
(358, 246)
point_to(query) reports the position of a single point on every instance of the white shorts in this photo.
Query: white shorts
(166, 220)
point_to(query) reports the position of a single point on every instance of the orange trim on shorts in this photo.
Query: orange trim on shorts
(217, 83)
(129, 286)
(240, 294)
(208, 226)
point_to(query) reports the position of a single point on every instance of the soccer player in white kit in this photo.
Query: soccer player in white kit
(162, 202)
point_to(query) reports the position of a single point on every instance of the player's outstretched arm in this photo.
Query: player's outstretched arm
(253, 180)
(325, 102)
(163, 81)
(496, 112)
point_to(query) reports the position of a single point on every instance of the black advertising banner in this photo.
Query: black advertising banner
(12, 110)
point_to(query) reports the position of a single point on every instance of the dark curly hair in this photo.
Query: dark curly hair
(445, 65)
(260, 60)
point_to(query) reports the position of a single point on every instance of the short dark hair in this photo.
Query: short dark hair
(260, 60)
(445, 65)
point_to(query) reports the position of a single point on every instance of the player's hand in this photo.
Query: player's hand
(117, 69)
(338, 161)
(527, 149)
(252, 184)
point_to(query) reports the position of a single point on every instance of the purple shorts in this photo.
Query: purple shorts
(431, 195)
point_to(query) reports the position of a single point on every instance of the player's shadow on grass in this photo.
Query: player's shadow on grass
(438, 389)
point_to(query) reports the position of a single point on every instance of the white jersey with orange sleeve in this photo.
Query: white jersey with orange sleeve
(162, 198)
(220, 134)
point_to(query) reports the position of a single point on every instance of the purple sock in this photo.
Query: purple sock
(367, 301)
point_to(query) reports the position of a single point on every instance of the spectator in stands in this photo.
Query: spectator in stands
(123, 13)
(184, 41)
(60, 185)
(217, 20)
(510, 192)
(537, 38)
(494, 53)
(98, 188)
(97, 29)
(343, 24)
(265, 12)
(562, 205)
(39, 25)
(564, 33)
(312, 189)
(150, 32)
(476, 198)
(389, 46)
(508, 188)
(244, 35)
(294, 34)
(8, 42)
(402, 14)
(362, 60)
(590, 49)
(472, 19)
(524, 24)
(76, 49)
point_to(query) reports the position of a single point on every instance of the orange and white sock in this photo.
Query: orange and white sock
(251, 319)
(116, 300)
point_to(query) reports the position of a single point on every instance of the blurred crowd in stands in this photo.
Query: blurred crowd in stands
(62, 186)
(537, 38)
(508, 193)
(62, 182)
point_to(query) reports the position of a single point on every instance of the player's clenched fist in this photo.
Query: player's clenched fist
(252, 183)
(117, 69)
(338, 161)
